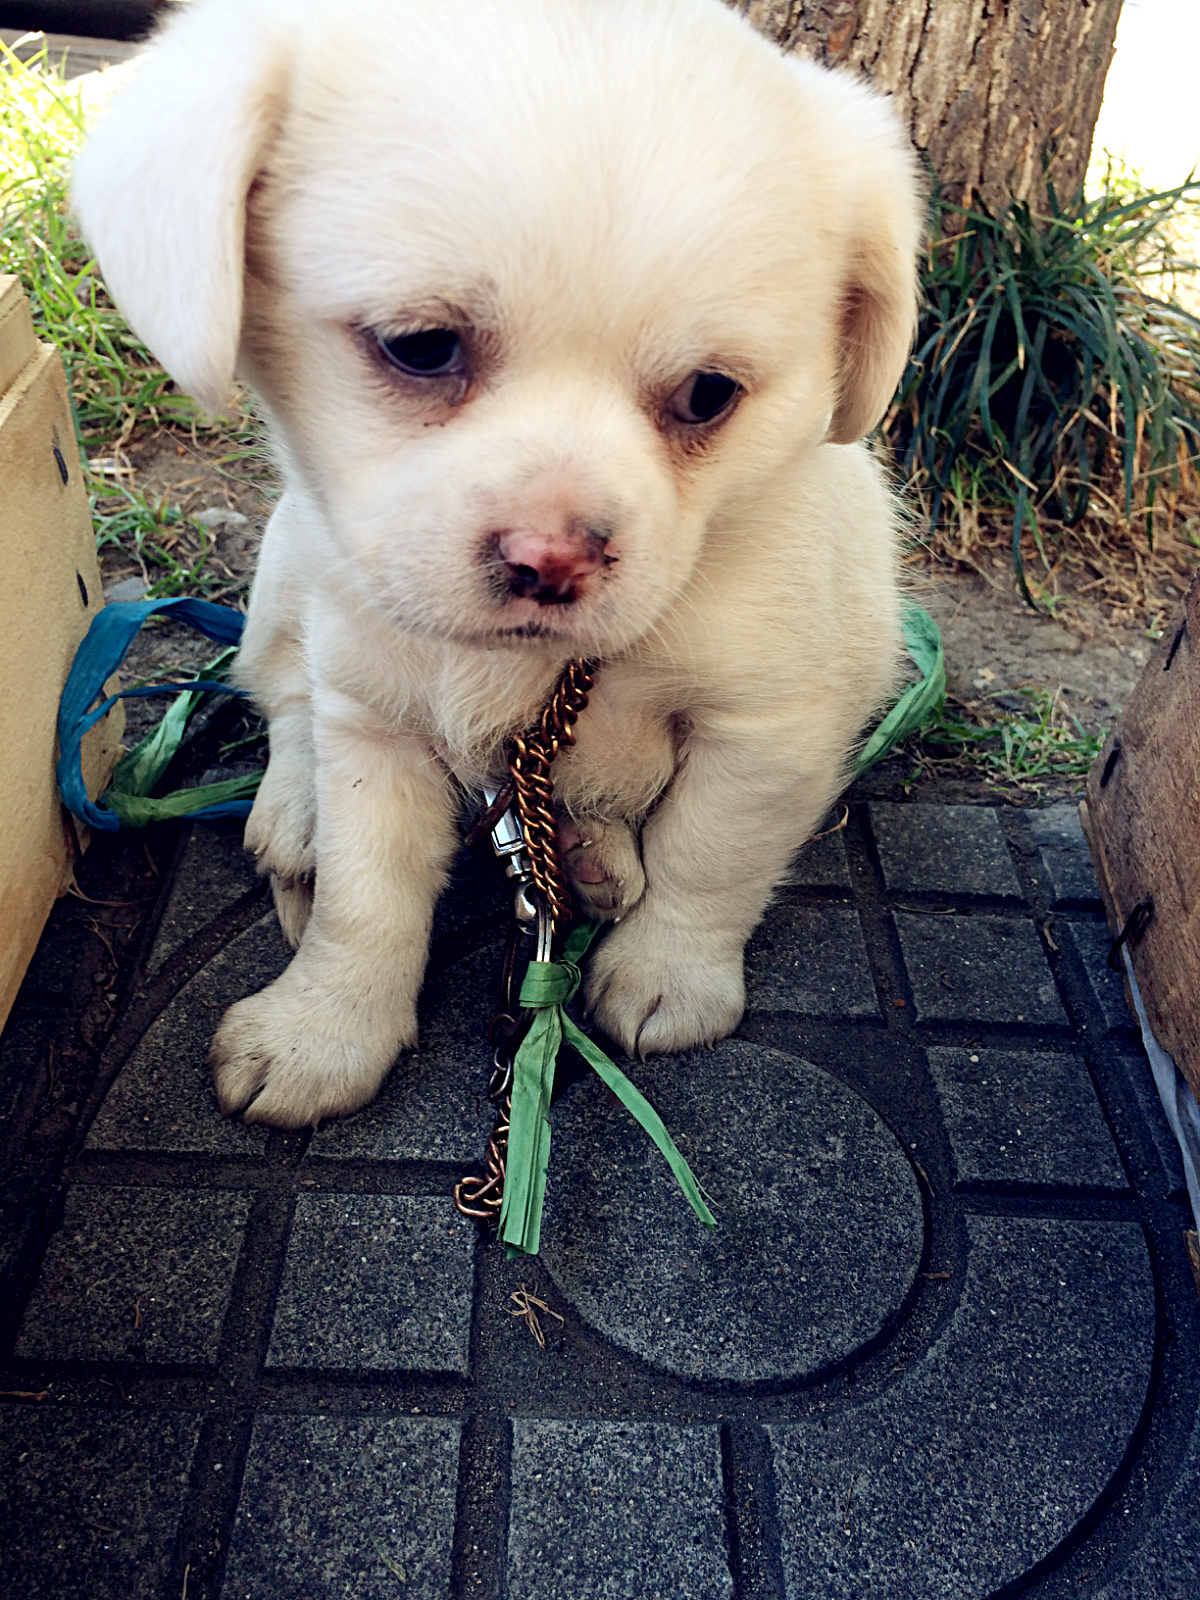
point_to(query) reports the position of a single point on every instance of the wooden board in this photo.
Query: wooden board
(1142, 820)
(50, 594)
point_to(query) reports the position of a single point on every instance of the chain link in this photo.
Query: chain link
(530, 760)
(533, 786)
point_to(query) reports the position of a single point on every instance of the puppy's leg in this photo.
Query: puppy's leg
(281, 824)
(604, 866)
(670, 975)
(271, 665)
(318, 1042)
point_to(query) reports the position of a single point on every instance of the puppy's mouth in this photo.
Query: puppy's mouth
(527, 630)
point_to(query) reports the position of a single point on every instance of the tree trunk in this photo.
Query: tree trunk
(990, 89)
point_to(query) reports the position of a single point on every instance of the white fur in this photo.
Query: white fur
(607, 195)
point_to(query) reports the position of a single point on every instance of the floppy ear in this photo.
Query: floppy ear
(879, 296)
(160, 189)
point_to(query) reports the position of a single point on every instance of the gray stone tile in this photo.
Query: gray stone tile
(1066, 860)
(24, 1047)
(616, 1511)
(375, 1283)
(821, 864)
(1154, 1120)
(213, 872)
(995, 1444)
(1017, 1117)
(1091, 941)
(136, 1274)
(942, 849)
(163, 1098)
(354, 1508)
(477, 891)
(54, 975)
(1165, 1565)
(977, 969)
(811, 961)
(20, 1203)
(90, 1500)
(433, 1106)
(819, 1219)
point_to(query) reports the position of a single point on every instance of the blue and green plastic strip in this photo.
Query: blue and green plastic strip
(128, 803)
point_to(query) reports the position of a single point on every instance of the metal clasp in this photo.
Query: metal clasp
(508, 843)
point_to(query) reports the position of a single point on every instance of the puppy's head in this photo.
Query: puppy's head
(537, 293)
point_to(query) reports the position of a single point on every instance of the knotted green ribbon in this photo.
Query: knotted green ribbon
(547, 988)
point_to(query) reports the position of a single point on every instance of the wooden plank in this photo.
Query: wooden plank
(1142, 820)
(50, 594)
(18, 344)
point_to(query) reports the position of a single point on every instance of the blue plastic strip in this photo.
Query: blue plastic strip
(103, 649)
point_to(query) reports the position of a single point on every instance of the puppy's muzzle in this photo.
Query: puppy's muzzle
(550, 566)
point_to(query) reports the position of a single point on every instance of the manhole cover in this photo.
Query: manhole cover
(820, 1223)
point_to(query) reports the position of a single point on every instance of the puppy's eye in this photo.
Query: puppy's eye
(703, 397)
(429, 353)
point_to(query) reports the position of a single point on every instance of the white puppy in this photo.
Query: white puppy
(566, 315)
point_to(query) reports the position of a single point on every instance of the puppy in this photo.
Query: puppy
(566, 316)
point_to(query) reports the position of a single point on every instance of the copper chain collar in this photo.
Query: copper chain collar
(520, 818)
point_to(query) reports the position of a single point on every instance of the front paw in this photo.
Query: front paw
(295, 1054)
(280, 827)
(657, 989)
(604, 866)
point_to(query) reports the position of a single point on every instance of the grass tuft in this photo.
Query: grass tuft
(114, 382)
(1020, 752)
(1045, 369)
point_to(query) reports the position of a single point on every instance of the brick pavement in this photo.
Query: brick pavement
(942, 1343)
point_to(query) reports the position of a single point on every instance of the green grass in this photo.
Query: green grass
(1044, 364)
(1023, 751)
(171, 549)
(115, 383)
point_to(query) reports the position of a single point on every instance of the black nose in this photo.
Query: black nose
(527, 583)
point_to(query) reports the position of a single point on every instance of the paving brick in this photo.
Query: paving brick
(477, 893)
(1165, 1565)
(90, 1500)
(213, 872)
(822, 864)
(1091, 941)
(136, 1274)
(1153, 1120)
(24, 1048)
(977, 969)
(57, 970)
(819, 1231)
(944, 849)
(996, 1443)
(616, 1511)
(360, 1508)
(434, 1105)
(1016, 1117)
(375, 1283)
(810, 961)
(163, 1098)
(1066, 861)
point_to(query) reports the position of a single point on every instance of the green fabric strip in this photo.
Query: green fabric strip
(547, 987)
(920, 701)
(139, 769)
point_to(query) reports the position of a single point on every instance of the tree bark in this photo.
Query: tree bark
(990, 89)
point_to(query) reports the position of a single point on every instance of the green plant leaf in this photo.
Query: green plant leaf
(921, 701)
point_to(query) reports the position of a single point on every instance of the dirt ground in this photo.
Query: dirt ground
(995, 645)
